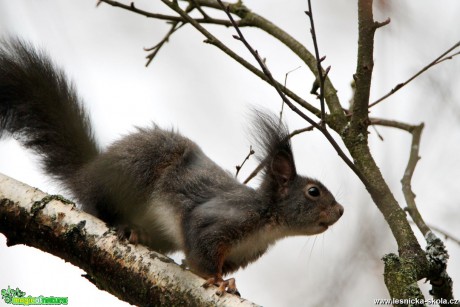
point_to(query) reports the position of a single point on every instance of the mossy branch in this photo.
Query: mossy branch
(436, 251)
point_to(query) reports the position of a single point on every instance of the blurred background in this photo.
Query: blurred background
(197, 89)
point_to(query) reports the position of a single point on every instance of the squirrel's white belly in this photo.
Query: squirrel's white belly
(161, 219)
(254, 245)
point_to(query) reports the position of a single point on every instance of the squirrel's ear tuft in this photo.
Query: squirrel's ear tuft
(274, 149)
(270, 134)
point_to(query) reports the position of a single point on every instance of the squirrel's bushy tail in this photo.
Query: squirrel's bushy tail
(40, 108)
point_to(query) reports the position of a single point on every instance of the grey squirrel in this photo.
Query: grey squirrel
(155, 186)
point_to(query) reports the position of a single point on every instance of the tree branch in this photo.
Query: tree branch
(443, 57)
(285, 84)
(436, 251)
(401, 272)
(248, 18)
(321, 76)
(277, 87)
(409, 195)
(238, 167)
(264, 68)
(134, 9)
(337, 120)
(134, 274)
(176, 25)
(211, 39)
(391, 123)
(364, 68)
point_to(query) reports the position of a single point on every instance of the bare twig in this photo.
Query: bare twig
(450, 57)
(378, 133)
(416, 131)
(134, 9)
(238, 167)
(299, 131)
(407, 178)
(320, 76)
(255, 171)
(176, 25)
(443, 233)
(392, 124)
(382, 24)
(285, 84)
(443, 57)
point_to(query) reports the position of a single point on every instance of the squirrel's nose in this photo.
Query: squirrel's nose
(341, 209)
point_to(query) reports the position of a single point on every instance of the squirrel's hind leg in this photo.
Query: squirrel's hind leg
(228, 285)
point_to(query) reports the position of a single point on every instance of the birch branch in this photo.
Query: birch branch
(134, 274)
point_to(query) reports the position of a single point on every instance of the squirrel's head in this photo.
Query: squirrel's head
(302, 204)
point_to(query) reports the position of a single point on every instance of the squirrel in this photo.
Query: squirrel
(155, 186)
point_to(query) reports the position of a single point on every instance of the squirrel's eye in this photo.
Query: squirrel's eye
(313, 191)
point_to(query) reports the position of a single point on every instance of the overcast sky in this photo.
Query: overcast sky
(195, 88)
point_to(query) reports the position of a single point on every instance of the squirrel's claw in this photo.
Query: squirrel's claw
(227, 285)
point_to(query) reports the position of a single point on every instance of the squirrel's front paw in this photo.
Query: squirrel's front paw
(227, 285)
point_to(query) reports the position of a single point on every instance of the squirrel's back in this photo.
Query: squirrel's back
(145, 164)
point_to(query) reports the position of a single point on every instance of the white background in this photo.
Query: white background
(195, 88)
